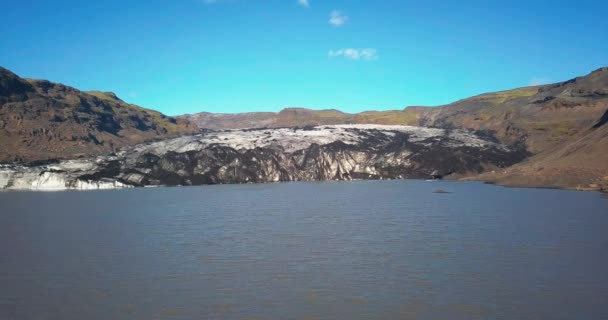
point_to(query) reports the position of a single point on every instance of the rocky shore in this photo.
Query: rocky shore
(572, 178)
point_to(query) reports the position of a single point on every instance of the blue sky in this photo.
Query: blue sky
(186, 56)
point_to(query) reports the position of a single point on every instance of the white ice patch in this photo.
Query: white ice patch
(47, 178)
(5, 176)
(49, 181)
(293, 139)
(73, 165)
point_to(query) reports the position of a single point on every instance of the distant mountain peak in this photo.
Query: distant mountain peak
(41, 120)
(600, 70)
(11, 84)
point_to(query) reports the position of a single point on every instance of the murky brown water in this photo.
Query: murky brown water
(348, 250)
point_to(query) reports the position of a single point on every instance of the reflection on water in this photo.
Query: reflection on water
(348, 250)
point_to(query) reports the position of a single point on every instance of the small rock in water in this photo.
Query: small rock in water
(441, 191)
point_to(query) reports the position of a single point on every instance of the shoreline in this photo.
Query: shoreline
(532, 185)
(120, 186)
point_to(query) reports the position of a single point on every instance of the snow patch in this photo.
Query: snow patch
(294, 139)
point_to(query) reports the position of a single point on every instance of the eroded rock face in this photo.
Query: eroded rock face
(341, 152)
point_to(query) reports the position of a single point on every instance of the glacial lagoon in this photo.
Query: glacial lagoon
(330, 250)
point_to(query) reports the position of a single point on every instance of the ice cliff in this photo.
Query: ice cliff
(340, 152)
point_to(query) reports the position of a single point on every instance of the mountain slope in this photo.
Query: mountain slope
(541, 117)
(44, 120)
(562, 124)
(581, 162)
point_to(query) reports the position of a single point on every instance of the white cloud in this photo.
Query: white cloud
(537, 81)
(304, 3)
(337, 18)
(367, 54)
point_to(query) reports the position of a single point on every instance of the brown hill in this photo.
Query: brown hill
(232, 120)
(562, 124)
(43, 120)
(542, 117)
(298, 117)
(581, 162)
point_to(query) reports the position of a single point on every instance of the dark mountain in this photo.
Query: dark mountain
(44, 120)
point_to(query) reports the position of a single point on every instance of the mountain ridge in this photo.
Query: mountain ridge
(42, 120)
(561, 125)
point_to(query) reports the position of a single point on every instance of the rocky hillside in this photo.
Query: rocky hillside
(44, 120)
(562, 124)
(581, 162)
(266, 155)
(541, 117)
